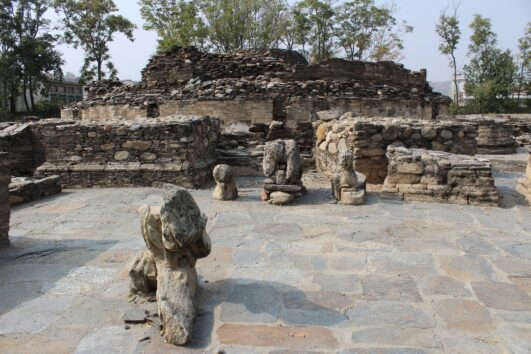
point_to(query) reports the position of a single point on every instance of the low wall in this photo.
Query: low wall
(23, 190)
(429, 176)
(368, 139)
(5, 178)
(136, 153)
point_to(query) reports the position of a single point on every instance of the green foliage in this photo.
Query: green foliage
(91, 25)
(524, 62)
(490, 74)
(177, 22)
(317, 18)
(27, 53)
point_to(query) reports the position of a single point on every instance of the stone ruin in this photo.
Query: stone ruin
(175, 238)
(348, 186)
(368, 139)
(434, 176)
(283, 169)
(5, 178)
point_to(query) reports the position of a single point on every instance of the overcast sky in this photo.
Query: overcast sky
(509, 18)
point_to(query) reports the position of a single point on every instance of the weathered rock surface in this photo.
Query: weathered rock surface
(346, 186)
(225, 185)
(23, 190)
(283, 167)
(175, 237)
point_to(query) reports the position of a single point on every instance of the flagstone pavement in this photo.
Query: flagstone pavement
(386, 277)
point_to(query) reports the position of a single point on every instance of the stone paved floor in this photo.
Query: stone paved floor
(386, 277)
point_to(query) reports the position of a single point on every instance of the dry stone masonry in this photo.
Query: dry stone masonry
(175, 237)
(129, 153)
(433, 176)
(5, 178)
(23, 189)
(19, 141)
(368, 139)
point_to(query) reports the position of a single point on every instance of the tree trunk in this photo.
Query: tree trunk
(455, 81)
(32, 99)
(99, 70)
(24, 88)
(12, 98)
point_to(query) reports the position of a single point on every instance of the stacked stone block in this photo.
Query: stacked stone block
(139, 153)
(368, 139)
(5, 178)
(23, 190)
(431, 176)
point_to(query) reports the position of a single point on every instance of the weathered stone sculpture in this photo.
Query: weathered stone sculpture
(175, 237)
(348, 186)
(283, 168)
(225, 186)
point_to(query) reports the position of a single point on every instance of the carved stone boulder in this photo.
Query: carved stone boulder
(283, 167)
(175, 237)
(348, 186)
(225, 185)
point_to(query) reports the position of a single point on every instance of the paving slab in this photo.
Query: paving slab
(385, 277)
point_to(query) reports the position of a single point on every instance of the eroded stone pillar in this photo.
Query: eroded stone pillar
(175, 237)
(348, 186)
(225, 185)
(283, 167)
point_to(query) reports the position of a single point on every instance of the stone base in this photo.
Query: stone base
(353, 196)
(128, 175)
(23, 190)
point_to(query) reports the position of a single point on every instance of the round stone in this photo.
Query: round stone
(281, 198)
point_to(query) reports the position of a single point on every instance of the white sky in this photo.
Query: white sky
(509, 18)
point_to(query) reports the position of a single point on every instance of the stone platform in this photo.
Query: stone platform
(385, 277)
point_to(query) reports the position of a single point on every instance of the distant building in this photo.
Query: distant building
(463, 97)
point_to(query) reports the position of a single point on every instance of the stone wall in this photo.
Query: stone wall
(137, 153)
(368, 139)
(430, 176)
(524, 186)
(5, 178)
(495, 133)
(19, 142)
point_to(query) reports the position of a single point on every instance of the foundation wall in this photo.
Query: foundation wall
(368, 139)
(5, 178)
(138, 153)
(429, 176)
(18, 141)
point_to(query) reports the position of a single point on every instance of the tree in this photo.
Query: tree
(524, 62)
(177, 23)
(318, 16)
(490, 74)
(91, 25)
(448, 29)
(28, 49)
(368, 32)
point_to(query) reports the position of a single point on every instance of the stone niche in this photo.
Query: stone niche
(368, 139)
(128, 153)
(433, 176)
(5, 178)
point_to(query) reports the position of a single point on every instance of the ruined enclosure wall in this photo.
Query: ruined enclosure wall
(5, 178)
(386, 72)
(430, 176)
(87, 154)
(18, 141)
(368, 139)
